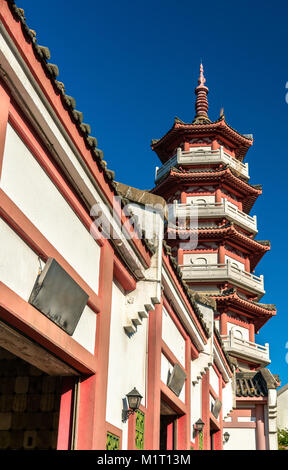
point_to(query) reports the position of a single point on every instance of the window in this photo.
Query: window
(113, 442)
(139, 437)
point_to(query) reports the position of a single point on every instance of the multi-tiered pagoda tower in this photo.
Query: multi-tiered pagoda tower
(203, 166)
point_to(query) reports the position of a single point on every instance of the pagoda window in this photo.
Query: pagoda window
(200, 261)
(237, 333)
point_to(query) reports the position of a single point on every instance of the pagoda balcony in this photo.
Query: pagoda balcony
(202, 157)
(246, 349)
(220, 273)
(222, 209)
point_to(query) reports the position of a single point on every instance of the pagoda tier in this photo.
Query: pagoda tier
(203, 176)
(226, 236)
(218, 182)
(255, 312)
(215, 134)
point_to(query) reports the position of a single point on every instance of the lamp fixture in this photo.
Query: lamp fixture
(134, 400)
(226, 436)
(199, 425)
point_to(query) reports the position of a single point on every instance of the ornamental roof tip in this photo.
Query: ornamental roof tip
(177, 119)
(43, 54)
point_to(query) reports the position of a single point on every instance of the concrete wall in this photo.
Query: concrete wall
(198, 258)
(238, 331)
(127, 362)
(200, 199)
(33, 192)
(282, 409)
(241, 439)
(173, 337)
(196, 408)
(19, 267)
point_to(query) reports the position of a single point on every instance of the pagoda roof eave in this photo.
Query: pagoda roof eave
(228, 232)
(180, 129)
(263, 312)
(211, 176)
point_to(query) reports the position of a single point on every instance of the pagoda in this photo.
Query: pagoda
(203, 167)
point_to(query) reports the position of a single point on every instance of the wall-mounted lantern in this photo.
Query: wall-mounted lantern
(199, 425)
(134, 400)
(226, 436)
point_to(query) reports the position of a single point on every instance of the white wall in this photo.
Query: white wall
(173, 337)
(197, 258)
(214, 380)
(240, 439)
(127, 361)
(33, 192)
(282, 410)
(19, 266)
(196, 405)
(200, 199)
(235, 262)
(227, 399)
(237, 330)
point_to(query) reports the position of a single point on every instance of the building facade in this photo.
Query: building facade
(97, 301)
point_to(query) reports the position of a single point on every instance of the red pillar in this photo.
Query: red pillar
(93, 390)
(252, 332)
(218, 195)
(152, 438)
(223, 323)
(4, 110)
(66, 414)
(205, 411)
(260, 428)
(221, 254)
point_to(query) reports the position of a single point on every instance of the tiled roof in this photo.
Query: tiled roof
(250, 384)
(255, 383)
(180, 130)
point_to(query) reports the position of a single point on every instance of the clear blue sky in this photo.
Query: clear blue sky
(133, 66)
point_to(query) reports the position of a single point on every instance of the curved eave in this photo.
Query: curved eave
(261, 313)
(174, 137)
(247, 192)
(256, 249)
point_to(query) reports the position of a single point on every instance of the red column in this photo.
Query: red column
(247, 264)
(218, 195)
(214, 145)
(221, 254)
(93, 390)
(183, 425)
(223, 323)
(252, 332)
(4, 110)
(205, 411)
(180, 256)
(260, 428)
(154, 377)
(66, 414)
